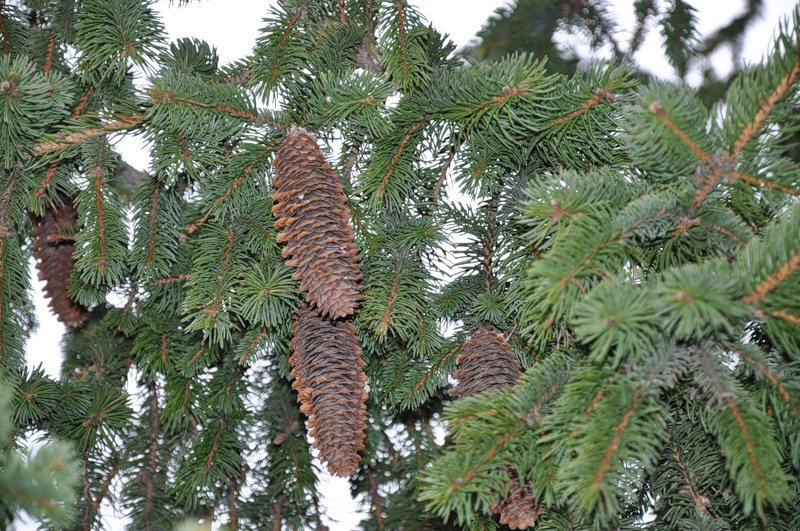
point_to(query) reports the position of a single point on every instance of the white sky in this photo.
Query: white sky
(232, 26)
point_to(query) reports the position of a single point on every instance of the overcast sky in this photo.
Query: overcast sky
(232, 26)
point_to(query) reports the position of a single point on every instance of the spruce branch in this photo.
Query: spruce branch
(658, 110)
(162, 97)
(758, 181)
(600, 95)
(412, 130)
(766, 372)
(429, 378)
(149, 474)
(700, 499)
(768, 103)
(746, 438)
(122, 123)
(783, 314)
(774, 280)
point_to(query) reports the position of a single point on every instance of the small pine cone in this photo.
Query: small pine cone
(310, 208)
(518, 510)
(486, 364)
(53, 247)
(330, 382)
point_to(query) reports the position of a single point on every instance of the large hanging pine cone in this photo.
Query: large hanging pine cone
(518, 510)
(486, 363)
(329, 378)
(53, 247)
(310, 207)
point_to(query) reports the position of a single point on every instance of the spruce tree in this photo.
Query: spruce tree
(351, 241)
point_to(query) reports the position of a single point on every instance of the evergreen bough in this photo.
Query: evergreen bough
(637, 252)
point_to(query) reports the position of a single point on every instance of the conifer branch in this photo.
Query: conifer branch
(774, 280)
(459, 482)
(82, 103)
(352, 157)
(183, 277)
(3, 354)
(216, 301)
(252, 345)
(377, 500)
(214, 448)
(600, 95)
(757, 181)
(437, 190)
(151, 240)
(728, 234)
(412, 431)
(386, 319)
(767, 105)
(122, 123)
(232, 498)
(106, 485)
(48, 176)
(400, 368)
(701, 501)
(729, 403)
(155, 433)
(196, 356)
(162, 97)
(599, 476)
(657, 109)
(430, 372)
(86, 499)
(400, 147)
(248, 169)
(524, 346)
(98, 175)
(289, 26)
(768, 374)
(524, 421)
(5, 205)
(48, 58)
(707, 185)
(521, 89)
(786, 316)
(401, 32)
(193, 227)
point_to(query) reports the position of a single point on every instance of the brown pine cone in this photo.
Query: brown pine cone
(518, 510)
(329, 380)
(309, 205)
(486, 364)
(53, 247)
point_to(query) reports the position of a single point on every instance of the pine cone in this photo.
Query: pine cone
(310, 208)
(486, 364)
(53, 247)
(329, 379)
(518, 510)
